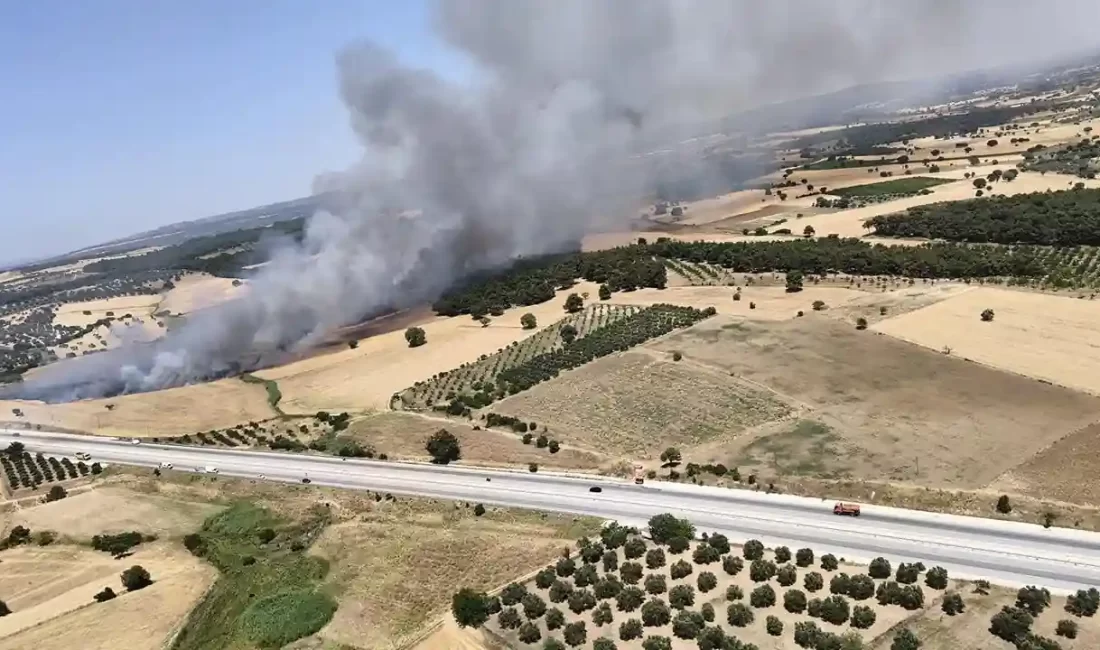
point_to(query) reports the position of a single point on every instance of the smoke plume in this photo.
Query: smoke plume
(534, 149)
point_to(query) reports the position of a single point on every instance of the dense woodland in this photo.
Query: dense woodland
(1066, 218)
(638, 266)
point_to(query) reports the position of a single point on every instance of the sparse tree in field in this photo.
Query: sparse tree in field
(443, 447)
(880, 568)
(936, 578)
(773, 625)
(509, 619)
(733, 592)
(415, 337)
(631, 572)
(560, 590)
(806, 634)
(762, 596)
(470, 608)
(906, 640)
(794, 601)
(528, 321)
(1033, 599)
(829, 562)
(762, 570)
(706, 554)
(101, 597)
(568, 333)
(861, 323)
(787, 575)
(553, 447)
(839, 583)
(664, 527)
(678, 545)
(529, 633)
(656, 584)
(808, 231)
(655, 613)
(804, 557)
(861, 587)
(654, 558)
(565, 567)
(574, 303)
(671, 457)
(794, 281)
(719, 542)
(782, 554)
(991, 143)
(15, 449)
(1011, 624)
(575, 633)
(56, 493)
(739, 615)
(753, 549)
(545, 578)
(863, 617)
(818, 305)
(630, 629)
(907, 574)
(608, 587)
(687, 625)
(605, 292)
(835, 610)
(1003, 505)
(136, 578)
(679, 569)
(980, 183)
(706, 581)
(953, 604)
(813, 582)
(681, 596)
(1066, 628)
(512, 594)
(581, 600)
(533, 606)
(4, 609)
(555, 618)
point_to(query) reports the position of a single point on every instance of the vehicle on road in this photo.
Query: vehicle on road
(306, 481)
(595, 488)
(166, 465)
(83, 455)
(639, 474)
(849, 509)
(210, 469)
(135, 441)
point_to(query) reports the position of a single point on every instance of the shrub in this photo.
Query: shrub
(880, 568)
(469, 607)
(732, 564)
(794, 601)
(905, 640)
(193, 542)
(575, 633)
(1003, 505)
(103, 596)
(560, 590)
(655, 558)
(678, 545)
(829, 562)
(415, 337)
(707, 610)
(603, 643)
(687, 625)
(739, 615)
(834, 609)
(135, 578)
(861, 587)
(555, 618)
(733, 592)
(952, 604)
(602, 615)
(608, 587)
(655, 613)
(1033, 599)
(631, 572)
(533, 606)
(56, 493)
(635, 548)
(806, 634)
(1066, 628)
(839, 583)
(630, 629)
(565, 566)
(528, 321)
(545, 578)
(1083, 603)
(719, 542)
(936, 578)
(629, 599)
(762, 596)
(753, 550)
(863, 617)
(581, 600)
(553, 644)
(782, 554)
(529, 633)
(705, 554)
(762, 570)
(279, 619)
(813, 608)
(512, 594)
(681, 596)
(680, 569)
(657, 643)
(773, 625)
(813, 582)
(1011, 624)
(987, 315)
(804, 557)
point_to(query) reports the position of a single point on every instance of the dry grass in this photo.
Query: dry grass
(403, 435)
(1045, 337)
(636, 404)
(395, 569)
(197, 291)
(772, 303)
(1065, 471)
(174, 411)
(72, 313)
(117, 510)
(53, 606)
(900, 412)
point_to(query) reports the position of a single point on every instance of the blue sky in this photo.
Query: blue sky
(122, 115)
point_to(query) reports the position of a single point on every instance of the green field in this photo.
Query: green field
(908, 185)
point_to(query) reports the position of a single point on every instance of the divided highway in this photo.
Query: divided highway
(1009, 553)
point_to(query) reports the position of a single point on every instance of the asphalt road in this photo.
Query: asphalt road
(1008, 553)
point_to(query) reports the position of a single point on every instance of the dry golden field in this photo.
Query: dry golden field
(897, 411)
(198, 291)
(638, 404)
(1049, 338)
(116, 510)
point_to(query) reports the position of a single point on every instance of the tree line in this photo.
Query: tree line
(1064, 218)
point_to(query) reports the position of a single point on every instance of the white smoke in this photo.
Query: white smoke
(529, 157)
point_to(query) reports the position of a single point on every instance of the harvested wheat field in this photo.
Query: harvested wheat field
(173, 411)
(116, 510)
(757, 303)
(73, 313)
(898, 411)
(725, 206)
(638, 404)
(393, 580)
(1051, 338)
(403, 436)
(53, 608)
(197, 291)
(1065, 471)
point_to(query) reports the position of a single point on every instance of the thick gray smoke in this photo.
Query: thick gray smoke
(528, 156)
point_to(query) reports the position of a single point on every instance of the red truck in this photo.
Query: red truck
(851, 509)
